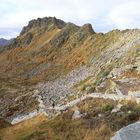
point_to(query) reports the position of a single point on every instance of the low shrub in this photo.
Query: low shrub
(107, 107)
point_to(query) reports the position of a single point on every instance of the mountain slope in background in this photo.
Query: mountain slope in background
(52, 63)
(3, 41)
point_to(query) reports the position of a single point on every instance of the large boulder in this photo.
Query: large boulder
(130, 132)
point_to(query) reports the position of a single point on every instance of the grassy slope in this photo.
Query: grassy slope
(15, 63)
(21, 60)
(91, 127)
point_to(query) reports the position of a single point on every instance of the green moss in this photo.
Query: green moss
(84, 87)
(107, 107)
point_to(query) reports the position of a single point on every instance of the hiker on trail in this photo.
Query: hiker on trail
(37, 109)
(53, 104)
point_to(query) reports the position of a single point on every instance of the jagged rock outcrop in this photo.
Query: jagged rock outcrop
(36, 28)
(87, 28)
(61, 37)
(43, 23)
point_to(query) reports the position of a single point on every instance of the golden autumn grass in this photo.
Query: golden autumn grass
(62, 127)
(21, 60)
(16, 62)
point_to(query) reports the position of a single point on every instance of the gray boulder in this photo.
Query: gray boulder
(77, 114)
(130, 132)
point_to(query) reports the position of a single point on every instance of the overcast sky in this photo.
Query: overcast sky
(104, 15)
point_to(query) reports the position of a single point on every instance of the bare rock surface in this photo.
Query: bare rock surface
(77, 114)
(60, 88)
(130, 132)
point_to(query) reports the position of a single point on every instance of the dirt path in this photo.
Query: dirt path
(58, 108)
(114, 97)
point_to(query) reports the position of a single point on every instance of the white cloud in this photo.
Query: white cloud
(103, 14)
(126, 15)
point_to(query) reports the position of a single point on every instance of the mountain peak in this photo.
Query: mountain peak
(45, 22)
(88, 28)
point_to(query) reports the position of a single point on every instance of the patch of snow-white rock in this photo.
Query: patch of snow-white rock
(117, 109)
(24, 117)
(77, 114)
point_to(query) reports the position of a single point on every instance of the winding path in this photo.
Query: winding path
(59, 108)
(114, 97)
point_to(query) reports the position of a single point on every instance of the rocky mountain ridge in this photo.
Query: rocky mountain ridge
(53, 63)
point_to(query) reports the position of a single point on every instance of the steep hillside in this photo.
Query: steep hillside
(53, 65)
(98, 123)
(48, 48)
(42, 49)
